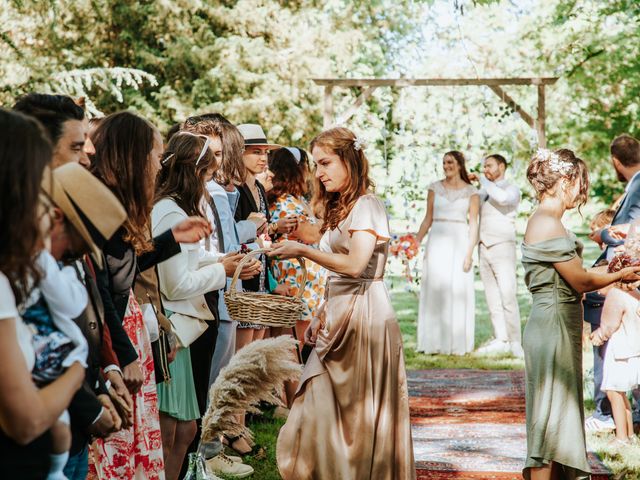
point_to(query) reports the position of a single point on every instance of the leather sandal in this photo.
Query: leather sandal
(229, 441)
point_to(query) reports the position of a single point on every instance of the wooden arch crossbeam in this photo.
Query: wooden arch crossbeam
(368, 85)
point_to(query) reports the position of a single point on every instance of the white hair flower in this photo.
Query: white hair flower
(553, 160)
(358, 143)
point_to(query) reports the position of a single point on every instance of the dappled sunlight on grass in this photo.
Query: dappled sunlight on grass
(623, 461)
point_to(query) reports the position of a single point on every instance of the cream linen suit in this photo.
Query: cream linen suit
(498, 256)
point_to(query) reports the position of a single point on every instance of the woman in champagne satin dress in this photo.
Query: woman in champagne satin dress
(350, 417)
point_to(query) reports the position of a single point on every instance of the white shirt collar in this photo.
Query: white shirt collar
(626, 189)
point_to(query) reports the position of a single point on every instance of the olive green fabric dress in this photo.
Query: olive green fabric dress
(552, 343)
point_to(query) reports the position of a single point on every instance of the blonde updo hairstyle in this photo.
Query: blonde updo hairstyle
(548, 168)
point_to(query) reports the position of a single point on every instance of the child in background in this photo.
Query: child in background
(58, 342)
(620, 326)
(601, 220)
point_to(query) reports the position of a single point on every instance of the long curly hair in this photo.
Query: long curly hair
(180, 178)
(25, 151)
(123, 143)
(336, 206)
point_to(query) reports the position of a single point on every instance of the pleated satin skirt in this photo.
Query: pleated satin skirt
(350, 417)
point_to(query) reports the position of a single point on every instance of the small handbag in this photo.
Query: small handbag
(160, 350)
(187, 329)
(162, 346)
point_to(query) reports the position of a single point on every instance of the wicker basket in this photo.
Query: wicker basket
(264, 308)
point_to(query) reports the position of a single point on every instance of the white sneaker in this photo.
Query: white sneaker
(223, 465)
(494, 347)
(516, 350)
(592, 424)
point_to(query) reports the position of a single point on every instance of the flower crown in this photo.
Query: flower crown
(553, 160)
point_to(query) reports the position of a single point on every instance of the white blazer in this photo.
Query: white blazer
(187, 276)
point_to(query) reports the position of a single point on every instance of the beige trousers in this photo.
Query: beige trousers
(498, 273)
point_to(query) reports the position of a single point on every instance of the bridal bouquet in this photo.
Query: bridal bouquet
(405, 247)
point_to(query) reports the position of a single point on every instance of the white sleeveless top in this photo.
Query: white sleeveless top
(9, 310)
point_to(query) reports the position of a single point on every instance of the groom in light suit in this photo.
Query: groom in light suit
(625, 156)
(500, 199)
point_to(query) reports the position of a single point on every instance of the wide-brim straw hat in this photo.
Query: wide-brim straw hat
(254, 136)
(92, 209)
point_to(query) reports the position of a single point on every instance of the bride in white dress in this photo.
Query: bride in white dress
(446, 317)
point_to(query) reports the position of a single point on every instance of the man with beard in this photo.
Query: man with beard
(497, 248)
(625, 156)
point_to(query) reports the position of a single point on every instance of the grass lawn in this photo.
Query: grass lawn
(406, 307)
(624, 464)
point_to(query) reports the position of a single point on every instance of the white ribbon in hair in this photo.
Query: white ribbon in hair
(207, 142)
(295, 152)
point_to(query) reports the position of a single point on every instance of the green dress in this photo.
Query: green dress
(552, 343)
(177, 398)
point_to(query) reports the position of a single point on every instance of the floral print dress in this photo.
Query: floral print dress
(289, 272)
(134, 453)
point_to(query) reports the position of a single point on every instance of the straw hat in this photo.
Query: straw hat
(87, 203)
(254, 135)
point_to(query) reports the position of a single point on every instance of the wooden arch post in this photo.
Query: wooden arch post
(368, 85)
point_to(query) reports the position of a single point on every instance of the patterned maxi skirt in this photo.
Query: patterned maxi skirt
(134, 453)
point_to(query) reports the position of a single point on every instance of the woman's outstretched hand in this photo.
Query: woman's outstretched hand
(287, 224)
(288, 249)
(191, 230)
(230, 262)
(630, 278)
(251, 269)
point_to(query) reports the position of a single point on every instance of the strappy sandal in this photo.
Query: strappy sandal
(229, 441)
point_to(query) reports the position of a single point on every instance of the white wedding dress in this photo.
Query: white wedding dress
(446, 315)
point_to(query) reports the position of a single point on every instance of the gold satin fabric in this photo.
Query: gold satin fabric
(350, 417)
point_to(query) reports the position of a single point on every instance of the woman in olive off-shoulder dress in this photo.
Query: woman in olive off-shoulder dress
(553, 356)
(350, 417)
(552, 339)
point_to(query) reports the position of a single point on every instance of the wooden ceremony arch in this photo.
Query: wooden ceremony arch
(368, 85)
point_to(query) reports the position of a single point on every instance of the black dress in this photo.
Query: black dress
(246, 206)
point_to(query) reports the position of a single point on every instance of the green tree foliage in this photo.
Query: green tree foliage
(251, 59)
(595, 47)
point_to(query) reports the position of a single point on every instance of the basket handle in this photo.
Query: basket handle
(253, 253)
